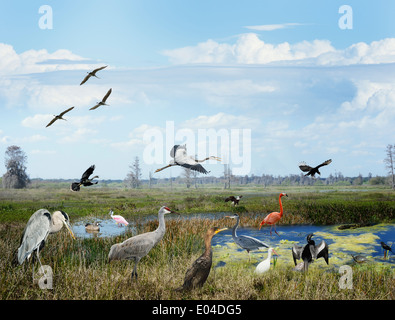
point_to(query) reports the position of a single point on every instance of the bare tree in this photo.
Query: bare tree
(133, 178)
(188, 177)
(16, 176)
(389, 163)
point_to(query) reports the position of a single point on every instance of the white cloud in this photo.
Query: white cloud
(271, 27)
(220, 121)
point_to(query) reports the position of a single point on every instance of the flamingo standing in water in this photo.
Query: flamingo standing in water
(118, 219)
(274, 217)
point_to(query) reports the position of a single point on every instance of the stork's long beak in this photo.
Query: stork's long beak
(69, 228)
(219, 230)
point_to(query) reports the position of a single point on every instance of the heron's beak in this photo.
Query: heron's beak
(69, 228)
(219, 230)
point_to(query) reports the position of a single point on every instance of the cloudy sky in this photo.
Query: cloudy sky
(262, 84)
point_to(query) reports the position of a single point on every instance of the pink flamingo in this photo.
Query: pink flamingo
(274, 217)
(119, 219)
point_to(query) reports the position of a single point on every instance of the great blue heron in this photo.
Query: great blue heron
(310, 252)
(246, 242)
(264, 266)
(59, 117)
(103, 101)
(179, 153)
(312, 171)
(84, 181)
(92, 74)
(93, 226)
(138, 246)
(274, 217)
(198, 273)
(37, 229)
(235, 200)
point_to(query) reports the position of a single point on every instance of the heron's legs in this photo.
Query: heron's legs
(160, 169)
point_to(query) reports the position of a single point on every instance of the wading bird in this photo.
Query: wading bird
(138, 246)
(246, 242)
(92, 74)
(197, 274)
(84, 181)
(103, 101)
(118, 219)
(274, 217)
(386, 248)
(59, 117)
(312, 171)
(93, 226)
(179, 153)
(37, 229)
(310, 252)
(359, 259)
(235, 200)
(264, 266)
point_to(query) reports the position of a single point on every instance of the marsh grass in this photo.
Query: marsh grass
(81, 269)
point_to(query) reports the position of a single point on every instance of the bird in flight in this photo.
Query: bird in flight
(92, 74)
(179, 154)
(312, 171)
(103, 101)
(59, 116)
(84, 181)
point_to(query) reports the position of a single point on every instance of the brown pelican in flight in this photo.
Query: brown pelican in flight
(59, 116)
(92, 74)
(103, 102)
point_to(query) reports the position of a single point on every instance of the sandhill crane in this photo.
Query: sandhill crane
(179, 153)
(246, 242)
(103, 101)
(84, 181)
(312, 171)
(198, 273)
(310, 252)
(92, 74)
(59, 117)
(37, 229)
(139, 246)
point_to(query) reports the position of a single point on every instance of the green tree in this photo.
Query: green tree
(16, 176)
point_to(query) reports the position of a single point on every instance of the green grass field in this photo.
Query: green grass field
(81, 271)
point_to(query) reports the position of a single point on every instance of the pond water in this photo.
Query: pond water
(363, 241)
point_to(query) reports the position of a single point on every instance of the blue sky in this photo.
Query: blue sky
(302, 87)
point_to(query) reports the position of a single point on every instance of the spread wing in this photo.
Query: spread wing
(321, 251)
(107, 95)
(324, 163)
(98, 69)
(304, 167)
(87, 173)
(95, 107)
(85, 79)
(297, 252)
(196, 167)
(231, 198)
(64, 112)
(75, 186)
(51, 122)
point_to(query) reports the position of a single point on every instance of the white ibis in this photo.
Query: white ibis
(139, 246)
(59, 117)
(179, 153)
(310, 252)
(84, 181)
(246, 242)
(312, 171)
(92, 74)
(233, 199)
(103, 101)
(264, 266)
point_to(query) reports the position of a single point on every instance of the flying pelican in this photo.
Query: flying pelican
(198, 273)
(138, 246)
(37, 229)
(179, 153)
(93, 226)
(92, 74)
(235, 200)
(274, 217)
(103, 101)
(312, 171)
(245, 242)
(386, 248)
(264, 266)
(59, 117)
(118, 219)
(84, 181)
(310, 252)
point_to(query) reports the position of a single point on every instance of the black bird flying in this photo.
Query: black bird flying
(84, 181)
(312, 171)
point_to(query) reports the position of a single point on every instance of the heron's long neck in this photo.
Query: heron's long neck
(234, 235)
(281, 206)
